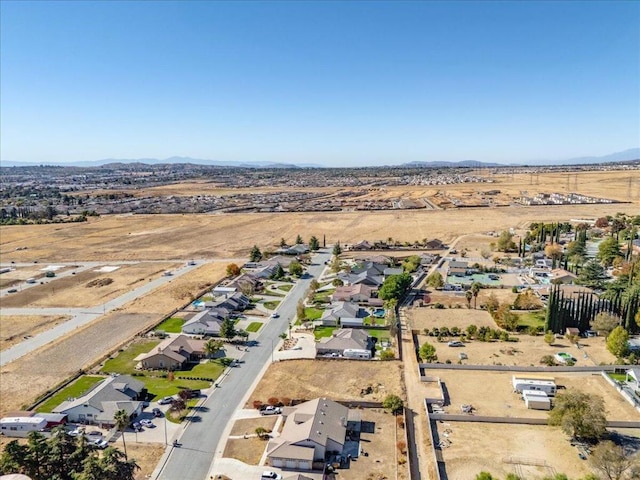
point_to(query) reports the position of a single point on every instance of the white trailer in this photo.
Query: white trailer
(546, 386)
(21, 426)
(536, 400)
(356, 353)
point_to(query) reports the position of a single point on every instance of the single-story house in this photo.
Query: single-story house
(311, 430)
(203, 323)
(560, 275)
(435, 244)
(99, 405)
(344, 339)
(359, 293)
(173, 353)
(458, 268)
(633, 376)
(339, 310)
(363, 245)
(246, 281)
(298, 249)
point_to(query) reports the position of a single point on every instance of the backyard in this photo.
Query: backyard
(171, 325)
(73, 390)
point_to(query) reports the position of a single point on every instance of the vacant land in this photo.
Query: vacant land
(483, 446)
(22, 273)
(420, 318)
(144, 237)
(14, 327)
(88, 288)
(248, 450)
(247, 426)
(334, 379)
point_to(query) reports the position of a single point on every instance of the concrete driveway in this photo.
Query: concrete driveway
(304, 348)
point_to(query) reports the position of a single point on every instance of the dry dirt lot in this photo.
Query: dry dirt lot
(248, 450)
(419, 318)
(145, 237)
(458, 299)
(470, 387)
(477, 447)
(247, 426)
(14, 327)
(30, 376)
(21, 273)
(88, 288)
(334, 379)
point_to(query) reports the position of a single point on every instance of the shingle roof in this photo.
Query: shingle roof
(345, 338)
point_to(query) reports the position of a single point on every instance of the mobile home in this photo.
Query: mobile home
(356, 353)
(21, 426)
(546, 386)
(536, 400)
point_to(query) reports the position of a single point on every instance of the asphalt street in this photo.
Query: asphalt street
(192, 460)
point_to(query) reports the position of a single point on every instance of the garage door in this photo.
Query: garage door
(277, 462)
(292, 463)
(306, 465)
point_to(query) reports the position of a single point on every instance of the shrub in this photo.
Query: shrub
(438, 305)
(286, 401)
(400, 421)
(402, 446)
(273, 401)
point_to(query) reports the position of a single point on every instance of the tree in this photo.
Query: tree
(278, 272)
(475, 290)
(492, 303)
(605, 322)
(509, 320)
(261, 432)
(553, 251)
(300, 311)
(393, 403)
(485, 476)
(395, 286)
(282, 243)
(592, 275)
(610, 459)
(579, 414)
(617, 342)
(387, 355)
(299, 240)
(295, 268)
(255, 255)
(505, 242)
(121, 420)
(228, 329)
(178, 405)
(602, 222)
(468, 295)
(427, 352)
(608, 250)
(435, 280)
(314, 244)
(233, 270)
(337, 282)
(549, 337)
(337, 249)
(212, 347)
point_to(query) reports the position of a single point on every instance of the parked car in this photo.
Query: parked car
(271, 411)
(165, 401)
(455, 344)
(136, 426)
(12, 290)
(100, 443)
(147, 423)
(157, 412)
(76, 431)
(94, 433)
(274, 315)
(270, 475)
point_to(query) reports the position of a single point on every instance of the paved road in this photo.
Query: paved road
(200, 439)
(81, 316)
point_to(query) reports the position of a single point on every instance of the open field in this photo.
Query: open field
(420, 318)
(308, 379)
(21, 273)
(140, 237)
(477, 447)
(527, 351)
(88, 288)
(14, 327)
(30, 376)
(469, 387)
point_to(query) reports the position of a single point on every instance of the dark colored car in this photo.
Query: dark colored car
(156, 412)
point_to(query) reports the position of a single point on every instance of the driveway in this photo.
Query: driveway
(305, 348)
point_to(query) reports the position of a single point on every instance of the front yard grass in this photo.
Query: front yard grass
(171, 325)
(322, 332)
(271, 304)
(211, 369)
(312, 313)
(74, 390)
(124, 362)
(159, 387)
(285, 288)
(253, 327)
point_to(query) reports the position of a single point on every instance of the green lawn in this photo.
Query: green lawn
(311, 313)
(375, 321)
(272, 304)
(124, 362)
(379, 334)
(618, 376)
(75, 390)
(285, 288)
(171, 325)
(321, 332)
(254, 327)
(159, 387)
(532, 319)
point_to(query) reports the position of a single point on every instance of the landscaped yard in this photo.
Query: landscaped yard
(171, 325)
(321, 332)
(285, 288)
(253, 327)
(76, 389)
(271, 304)
(375, 321)
(311, 313)
(381, 335)
(159, 387)
(532, 319)
(211, 369)
(124, 362)
(620, 377)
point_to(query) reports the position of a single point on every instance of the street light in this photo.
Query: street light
(165, 430)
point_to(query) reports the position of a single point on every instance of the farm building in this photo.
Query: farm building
(547, 386)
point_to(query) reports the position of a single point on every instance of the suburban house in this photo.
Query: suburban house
(458, 268)
(569, 291)
(434, 244)
(298, 249)
(246, 282)
(311, 431)
(99, 405)
(173, 353)
(340, 311)
(359, 293)
(427, 259)
(560, 275)
(203, 323)
(343, 340)
(367, 273)
(363, 245)
(230, 302)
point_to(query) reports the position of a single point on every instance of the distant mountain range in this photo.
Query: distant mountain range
(625, 156)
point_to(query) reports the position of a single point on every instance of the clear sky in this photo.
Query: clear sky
(353, 83)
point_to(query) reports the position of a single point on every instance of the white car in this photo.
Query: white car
(270, 475)
(455, 344)
(147, 423)
(77, 431)
(274, 315)
(165, 401)
(100, 443)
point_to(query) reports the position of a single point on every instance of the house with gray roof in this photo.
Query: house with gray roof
(99, 405)
(203, 323)
(342, 310)
(172, 353)
(345, 340)
(311, 430)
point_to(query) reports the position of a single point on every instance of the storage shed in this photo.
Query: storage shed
(536, 400)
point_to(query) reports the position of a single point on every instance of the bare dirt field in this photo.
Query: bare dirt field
(88, 288)
(247, 426)
(248, 450)
(420, 318)
(335, 379)
(458, 299)
(30, 376)
(147, 456)
(140, 237)
(465, 387)
(477, 447)
(14, 327)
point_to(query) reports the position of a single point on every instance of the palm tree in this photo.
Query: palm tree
(212, 346)
(469, 295)
(121, 419)
(475, 289)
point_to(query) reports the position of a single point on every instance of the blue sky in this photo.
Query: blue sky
(353, 83)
